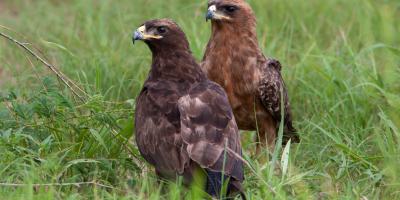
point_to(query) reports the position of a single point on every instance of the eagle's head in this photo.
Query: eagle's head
(161, 34)
(230, 12)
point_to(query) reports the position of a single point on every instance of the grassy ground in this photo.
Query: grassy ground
(341, 63)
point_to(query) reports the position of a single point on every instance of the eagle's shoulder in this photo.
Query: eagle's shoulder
(273, 63)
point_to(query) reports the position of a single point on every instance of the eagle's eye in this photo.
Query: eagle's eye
(162, 29)
(230, 9)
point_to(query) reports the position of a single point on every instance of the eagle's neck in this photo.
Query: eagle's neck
(233, 40)
(230, 46)
(176, 65)
(232, 58)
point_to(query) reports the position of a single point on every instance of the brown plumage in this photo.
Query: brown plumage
(253, 83)
(183, 120)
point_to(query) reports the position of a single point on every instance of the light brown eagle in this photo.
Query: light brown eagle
(184, 122)
(253, 83)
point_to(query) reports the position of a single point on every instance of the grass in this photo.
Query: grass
(341, 64)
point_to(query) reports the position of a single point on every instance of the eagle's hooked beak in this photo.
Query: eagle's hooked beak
(141, 34)
(214, 14)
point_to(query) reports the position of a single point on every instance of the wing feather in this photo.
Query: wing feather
(271, 90)
(209, 129)
(157, 121)
(199, 127)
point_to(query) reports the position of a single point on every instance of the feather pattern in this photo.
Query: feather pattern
(209, 129)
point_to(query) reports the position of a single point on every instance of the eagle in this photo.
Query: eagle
(253, 83)
(183, 121)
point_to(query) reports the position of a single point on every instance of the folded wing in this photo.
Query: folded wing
(271, 91)
(209, 130)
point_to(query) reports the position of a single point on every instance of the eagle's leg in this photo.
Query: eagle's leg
(266, 136)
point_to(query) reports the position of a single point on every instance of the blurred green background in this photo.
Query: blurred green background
(341, 63)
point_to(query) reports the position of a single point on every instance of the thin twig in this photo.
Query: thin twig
(124, 143)
(59, 74)
(78, 184)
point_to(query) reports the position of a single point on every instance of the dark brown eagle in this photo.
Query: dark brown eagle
(253, 83)
(184, 122)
